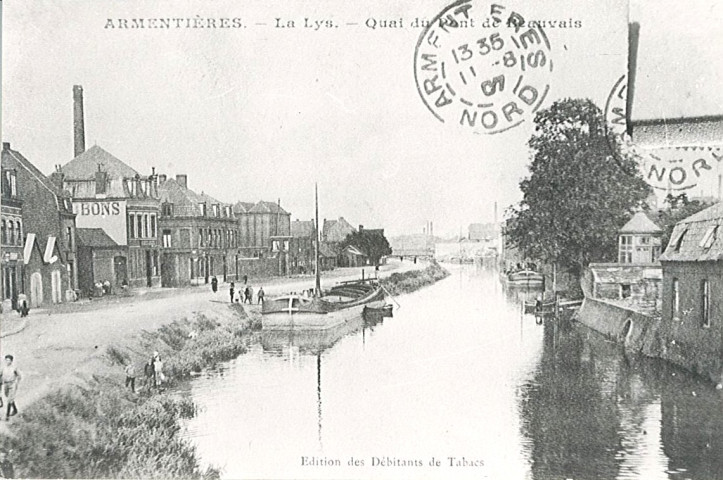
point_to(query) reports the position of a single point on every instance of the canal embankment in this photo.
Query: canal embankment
(88, 425)
(637, 331)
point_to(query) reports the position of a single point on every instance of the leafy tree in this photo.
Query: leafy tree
(580, 191)
(678, 208)
(371, 243)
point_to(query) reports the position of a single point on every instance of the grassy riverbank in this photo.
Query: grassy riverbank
(93, 427)
(407, 282)
(99, 429)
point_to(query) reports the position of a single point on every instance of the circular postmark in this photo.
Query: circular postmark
(664, 166)
(488, 80)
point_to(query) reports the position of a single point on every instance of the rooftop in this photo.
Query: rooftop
(640, 223)
(84, 166)
(698, 238)
(94, 237)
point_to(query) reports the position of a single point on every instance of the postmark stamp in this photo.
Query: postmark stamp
(486, 80)
(664, 167)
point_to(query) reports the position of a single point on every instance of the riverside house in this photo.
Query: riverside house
(635, 280)
(38, 236)
(692, 321)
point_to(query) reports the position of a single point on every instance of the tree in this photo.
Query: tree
(580, 191)
(373, 244)
(678, 208)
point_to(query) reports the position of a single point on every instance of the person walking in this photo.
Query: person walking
(214, 284)
(231, 291)
(131, 376)
(261, 295)
(246, 279)
(251, 295)
(10, 377)
(247, 294)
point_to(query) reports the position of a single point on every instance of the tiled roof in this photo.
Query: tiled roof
(302, 228)
(171, 191)
(268, 207)
(242, 207)
(84, 166)
(94, 237)
(640, 223)
(10, 156)
(686, 242)
(337, 230)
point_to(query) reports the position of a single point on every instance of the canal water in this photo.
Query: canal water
(457, 384)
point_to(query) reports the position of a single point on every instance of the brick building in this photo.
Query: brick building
(38, 236)
(199, 236)
(302, 250)
(110, 195)
(692, 321)
(265, 232)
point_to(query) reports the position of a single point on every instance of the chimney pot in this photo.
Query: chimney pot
(6, 145)
(182, 180)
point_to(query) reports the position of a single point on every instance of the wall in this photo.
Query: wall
(636, 331)
(687, 342)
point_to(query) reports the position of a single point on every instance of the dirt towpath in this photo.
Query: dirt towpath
(58, 344)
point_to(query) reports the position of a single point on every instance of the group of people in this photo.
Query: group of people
(153, 370)
(246, 295)
(521, 266)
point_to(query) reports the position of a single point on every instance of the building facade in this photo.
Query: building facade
(692, 320)
(302, 252)
(639, 240)
(110, 195)
(199, 236)
(38, 236)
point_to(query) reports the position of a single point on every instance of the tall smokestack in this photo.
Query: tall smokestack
(78, 123)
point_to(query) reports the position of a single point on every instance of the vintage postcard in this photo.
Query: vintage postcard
(362, 240)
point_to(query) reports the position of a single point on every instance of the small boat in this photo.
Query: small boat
(547, 307)
(524, 278)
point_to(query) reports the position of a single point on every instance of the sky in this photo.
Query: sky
(265, 113)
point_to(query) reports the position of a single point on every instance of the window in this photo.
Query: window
(625, 250)
(167, 209)
(131, 225)
(215, 210)
(10, 185)
(139, 232)
(69, 237)
(709, 237)
(166, 238)
(705, 302)
(625, 291)
(677, 239)
(145, 226)
(19, 233)
(202, 207)
(11, 235)
(644, 240)
(154, 233)
(200, 237)
(676, 298)
(5, 233)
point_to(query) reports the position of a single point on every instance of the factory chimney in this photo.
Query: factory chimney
(78, 124)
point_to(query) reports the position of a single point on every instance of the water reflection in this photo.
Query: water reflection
(457, 371)
(592, 412)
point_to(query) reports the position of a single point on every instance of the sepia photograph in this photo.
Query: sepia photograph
(451, 239)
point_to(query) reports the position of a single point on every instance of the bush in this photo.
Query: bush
(103, 432)
(413, 280)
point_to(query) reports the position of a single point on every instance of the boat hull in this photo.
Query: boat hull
(310, 320)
